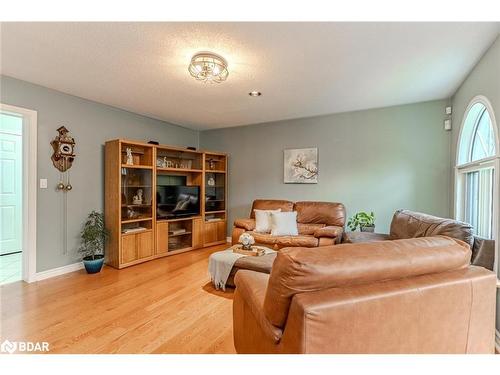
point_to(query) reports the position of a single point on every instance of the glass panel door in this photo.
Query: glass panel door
(136, 190)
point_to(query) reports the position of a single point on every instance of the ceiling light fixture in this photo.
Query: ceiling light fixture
(208, 67)
(255, 93)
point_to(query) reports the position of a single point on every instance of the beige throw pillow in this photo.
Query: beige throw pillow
(284, 224)
(263, 220)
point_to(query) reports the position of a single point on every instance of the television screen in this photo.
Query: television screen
(177, 201)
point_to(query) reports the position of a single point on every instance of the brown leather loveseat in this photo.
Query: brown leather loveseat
(417, 295)
(319, 224)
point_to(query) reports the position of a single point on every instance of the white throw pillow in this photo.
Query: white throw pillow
(263, 220)
(284, 224)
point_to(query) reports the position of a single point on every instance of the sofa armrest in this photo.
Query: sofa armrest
(247, 224)
(251, 287)
(483, 253)
(330, 231)
(357, 237)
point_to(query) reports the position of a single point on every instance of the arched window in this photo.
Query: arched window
(477, 149)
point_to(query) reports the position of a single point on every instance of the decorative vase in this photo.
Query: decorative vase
(93, 265)
(246, 241)
(368, 228)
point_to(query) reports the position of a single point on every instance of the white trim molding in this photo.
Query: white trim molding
(497, 341)
(58, 271)
(29, 186)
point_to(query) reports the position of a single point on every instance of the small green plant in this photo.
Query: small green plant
(361, 219)
(93, 236)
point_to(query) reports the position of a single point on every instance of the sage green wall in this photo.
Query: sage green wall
(484, 80)
(380, 160)
(91, 124)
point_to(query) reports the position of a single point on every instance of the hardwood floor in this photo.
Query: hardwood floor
(163, 306)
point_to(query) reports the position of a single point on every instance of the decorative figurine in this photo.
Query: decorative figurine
(247, 241)
(137, 199)
(130, 159)
(164, 162)
(131, 214)
(211, 181)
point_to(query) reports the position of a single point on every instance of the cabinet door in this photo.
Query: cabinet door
(197, 233)
(162, 238)
(209, 233)
(221, 231)
(129, 248)
(144, 244)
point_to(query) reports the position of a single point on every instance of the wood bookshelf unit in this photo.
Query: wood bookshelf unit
(138, 232)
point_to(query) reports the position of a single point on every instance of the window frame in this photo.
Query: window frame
(475, 132)
(461, 170)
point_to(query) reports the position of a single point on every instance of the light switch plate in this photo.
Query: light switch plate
(448, 110)
(43, 183)
(447, 124)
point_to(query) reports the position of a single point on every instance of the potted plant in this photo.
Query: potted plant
(365, 222)
(93, 237)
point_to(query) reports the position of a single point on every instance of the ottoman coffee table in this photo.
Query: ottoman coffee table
(262, 264)
(222, 260)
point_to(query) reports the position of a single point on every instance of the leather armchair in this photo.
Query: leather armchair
(410, 224)
(404, 296)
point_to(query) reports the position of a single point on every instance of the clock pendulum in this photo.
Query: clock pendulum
(62, 158)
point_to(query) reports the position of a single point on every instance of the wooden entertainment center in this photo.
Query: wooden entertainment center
(137, 175)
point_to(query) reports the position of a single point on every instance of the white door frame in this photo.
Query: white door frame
(29, 187)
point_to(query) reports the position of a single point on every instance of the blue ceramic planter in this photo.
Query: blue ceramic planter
(93, 265)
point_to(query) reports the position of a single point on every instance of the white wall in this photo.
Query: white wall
(375, 160)
(91, 124)
(484, 80)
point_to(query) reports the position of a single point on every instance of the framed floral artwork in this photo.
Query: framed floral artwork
(300, 166)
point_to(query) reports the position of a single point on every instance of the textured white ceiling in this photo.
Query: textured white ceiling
(302, 69)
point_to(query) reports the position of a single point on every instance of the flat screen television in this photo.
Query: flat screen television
(177, 201)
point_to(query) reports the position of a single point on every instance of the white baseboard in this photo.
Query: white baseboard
(228, 239)
(58, 271)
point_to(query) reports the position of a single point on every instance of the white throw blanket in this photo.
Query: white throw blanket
(220, 265)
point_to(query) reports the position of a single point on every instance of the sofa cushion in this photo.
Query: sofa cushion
(284, 241)
(410, 224)
(284, 224)
(328, 213)
(252, 288)
(330, 231)
(263, 220)
(299, 270)
(309, 229)
(270, 204)
(247, 224)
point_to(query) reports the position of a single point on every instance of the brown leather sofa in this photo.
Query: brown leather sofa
(411, 224)
(319, 224)
(404, 296)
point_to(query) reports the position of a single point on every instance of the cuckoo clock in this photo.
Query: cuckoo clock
(64, 150)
